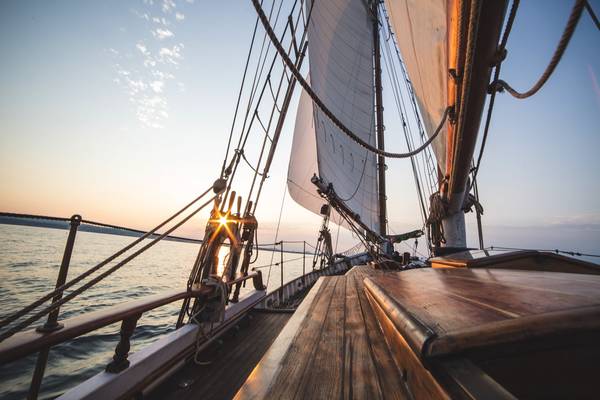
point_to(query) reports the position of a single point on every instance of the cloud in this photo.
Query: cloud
(171, 55)
(162, 33)
(142, 48)
(160, 20)
(168, 6)
(157, 86)
(146, 69)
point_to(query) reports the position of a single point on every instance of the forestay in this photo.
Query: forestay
(422, 36)
(340, 49)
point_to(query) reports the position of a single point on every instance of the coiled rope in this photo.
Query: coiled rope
(499, 84)
(290, 64)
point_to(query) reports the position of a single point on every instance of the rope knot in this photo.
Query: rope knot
(499, 57)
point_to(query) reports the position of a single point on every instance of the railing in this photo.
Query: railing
(16, 343)
(29, 342)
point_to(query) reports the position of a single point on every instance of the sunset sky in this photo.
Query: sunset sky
(120, 111)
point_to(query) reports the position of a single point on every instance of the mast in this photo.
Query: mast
(379, 121)
(477, 55)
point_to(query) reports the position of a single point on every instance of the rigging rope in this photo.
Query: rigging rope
(286, 59)
(588, 8)
(97, 279)
(501, 54)
(394, 80)
(574, 18)
(277, 234)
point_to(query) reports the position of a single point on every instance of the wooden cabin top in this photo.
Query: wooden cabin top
(509, 259)
(450, 310)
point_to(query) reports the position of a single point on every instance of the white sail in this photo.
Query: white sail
(422, 35)
(340, 49)
(303, 159)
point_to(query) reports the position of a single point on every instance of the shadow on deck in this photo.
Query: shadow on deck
(227, 362)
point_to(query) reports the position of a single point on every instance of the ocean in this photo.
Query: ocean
(29, 262)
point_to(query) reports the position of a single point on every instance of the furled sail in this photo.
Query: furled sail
(340, 50)
(422, 36)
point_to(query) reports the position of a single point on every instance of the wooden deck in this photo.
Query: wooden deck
(331, 348)
(228, 363)
(437, 333)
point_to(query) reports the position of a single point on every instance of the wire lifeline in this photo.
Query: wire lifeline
(324, 108)
(97, 279)
(574, 18)
(75, 280)
(557, 251)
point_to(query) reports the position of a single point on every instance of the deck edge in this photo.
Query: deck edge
(262, 376)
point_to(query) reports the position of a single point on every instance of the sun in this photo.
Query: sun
(222, 220)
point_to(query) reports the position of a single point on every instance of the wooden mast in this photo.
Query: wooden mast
(472, 55)
(379, 122)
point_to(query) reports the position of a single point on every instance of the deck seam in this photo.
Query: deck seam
(314, 350)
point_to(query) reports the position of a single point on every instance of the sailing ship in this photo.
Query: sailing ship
(371, 323)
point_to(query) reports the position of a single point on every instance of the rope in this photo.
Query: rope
(289, 63)
(499, 85)
(501, 54)
(588, 8)
(276, 233)
(61, 289)
(92, 282)
(276, 264)
(437, 212)
(237, 105)
(89, 222)
(221, 289)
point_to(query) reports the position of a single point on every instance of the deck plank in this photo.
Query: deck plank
(338, 351)
(323, 377)
(302, 349)
(358, 372)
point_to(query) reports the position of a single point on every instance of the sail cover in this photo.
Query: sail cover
(422, 36)
(340, 51)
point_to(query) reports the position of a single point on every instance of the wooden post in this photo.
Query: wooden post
(304, 262)
(52, 321)
(281, 264)
(120, 361)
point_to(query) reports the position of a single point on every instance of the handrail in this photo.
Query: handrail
(29, 342)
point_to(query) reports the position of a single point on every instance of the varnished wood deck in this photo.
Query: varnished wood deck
(228, 364)
(331, 348)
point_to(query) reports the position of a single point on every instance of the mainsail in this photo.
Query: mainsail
(421, 28)
(340, 50)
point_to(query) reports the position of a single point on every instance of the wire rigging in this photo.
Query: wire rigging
(556, 57)
(324, 108)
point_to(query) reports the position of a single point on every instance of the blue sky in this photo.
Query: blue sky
(120, 110)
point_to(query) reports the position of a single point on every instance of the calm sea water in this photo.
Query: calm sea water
(29, 263)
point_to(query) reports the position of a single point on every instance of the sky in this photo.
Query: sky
(120, 111)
